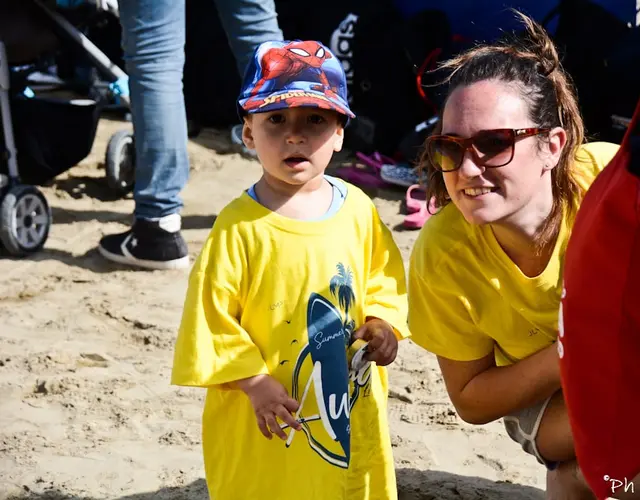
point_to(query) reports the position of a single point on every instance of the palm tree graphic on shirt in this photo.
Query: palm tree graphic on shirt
(341, 288)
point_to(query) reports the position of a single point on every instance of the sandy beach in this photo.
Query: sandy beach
(86, 408)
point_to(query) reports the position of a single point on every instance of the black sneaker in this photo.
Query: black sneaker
(153, 244)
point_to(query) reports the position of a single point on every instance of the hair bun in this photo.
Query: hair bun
(547, 66)
(540, 44)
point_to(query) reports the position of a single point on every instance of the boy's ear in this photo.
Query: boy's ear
(247, 134)
(339, 139)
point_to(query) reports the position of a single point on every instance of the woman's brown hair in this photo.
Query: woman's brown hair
(531, 63)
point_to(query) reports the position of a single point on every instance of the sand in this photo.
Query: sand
(86, 409)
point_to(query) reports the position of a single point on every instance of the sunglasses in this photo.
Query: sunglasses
(490, 148)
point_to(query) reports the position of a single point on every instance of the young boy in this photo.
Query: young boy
(294, 271)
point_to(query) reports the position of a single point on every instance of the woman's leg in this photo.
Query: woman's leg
(567, 483)
(555, 443)
(555, 439)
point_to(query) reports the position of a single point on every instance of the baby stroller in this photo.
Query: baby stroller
(47, 128)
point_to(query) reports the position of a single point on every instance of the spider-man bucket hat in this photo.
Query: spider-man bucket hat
(287, 74)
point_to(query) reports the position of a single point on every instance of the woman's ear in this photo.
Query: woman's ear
(247, 134)
(556, 144)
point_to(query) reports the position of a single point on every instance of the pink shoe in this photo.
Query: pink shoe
(365, 177)
(375, 161)
(415, 198)
(417, 219)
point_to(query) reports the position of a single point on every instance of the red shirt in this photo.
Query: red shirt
(599, 342)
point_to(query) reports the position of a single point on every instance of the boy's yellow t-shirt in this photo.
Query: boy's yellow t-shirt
(269, 294)
(467, 298)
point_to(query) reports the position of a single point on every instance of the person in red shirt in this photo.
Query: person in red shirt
(599, 327)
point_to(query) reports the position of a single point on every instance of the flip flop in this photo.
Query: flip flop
(361, 177)
(415, 198)
(375, 161)
(417, 219)
(365, 177)
(384, 160)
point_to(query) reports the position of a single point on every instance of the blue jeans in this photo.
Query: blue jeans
(153, 39)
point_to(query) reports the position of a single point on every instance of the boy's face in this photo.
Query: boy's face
(294, 145)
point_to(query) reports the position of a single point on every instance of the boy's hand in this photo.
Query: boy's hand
(383, 344)
(270, 399)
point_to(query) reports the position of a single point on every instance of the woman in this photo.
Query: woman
(508, 171)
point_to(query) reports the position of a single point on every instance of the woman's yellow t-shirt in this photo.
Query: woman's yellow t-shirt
(467, 298)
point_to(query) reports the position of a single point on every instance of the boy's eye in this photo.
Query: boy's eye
(316, 119)
(277, 118)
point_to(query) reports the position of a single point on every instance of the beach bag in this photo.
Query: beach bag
(599, 334)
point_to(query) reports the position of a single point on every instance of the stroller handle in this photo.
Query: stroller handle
(102, 62)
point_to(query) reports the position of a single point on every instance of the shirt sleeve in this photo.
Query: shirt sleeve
(591, 159)
(440, 321)
(386, 283)
(212, 348)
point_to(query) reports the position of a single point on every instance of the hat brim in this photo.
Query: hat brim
(294, 99)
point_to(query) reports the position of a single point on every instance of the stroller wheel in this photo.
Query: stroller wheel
(25, 219)
(120, 162)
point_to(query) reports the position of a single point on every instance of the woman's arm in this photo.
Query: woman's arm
(483, 392)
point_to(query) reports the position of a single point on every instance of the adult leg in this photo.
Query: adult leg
(555, 443)
(153, 38)
(566, 482)
(248, 23)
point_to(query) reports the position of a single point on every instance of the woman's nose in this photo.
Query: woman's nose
(469, 166)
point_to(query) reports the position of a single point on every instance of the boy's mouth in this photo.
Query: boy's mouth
(294, 161)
